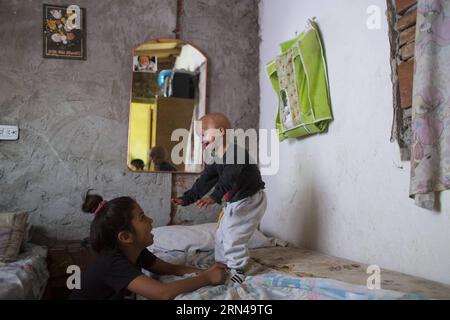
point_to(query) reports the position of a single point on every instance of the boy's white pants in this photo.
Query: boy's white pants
(239, 221)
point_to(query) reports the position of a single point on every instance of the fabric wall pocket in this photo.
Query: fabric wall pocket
(299, 77)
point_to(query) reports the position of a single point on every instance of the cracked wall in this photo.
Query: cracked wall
(73, 115)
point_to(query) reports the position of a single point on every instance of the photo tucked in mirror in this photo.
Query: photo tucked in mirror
(168, 95)
(145, 64)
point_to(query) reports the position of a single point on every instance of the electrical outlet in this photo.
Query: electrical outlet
(9, 132)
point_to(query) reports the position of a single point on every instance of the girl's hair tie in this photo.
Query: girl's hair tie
(100, 206)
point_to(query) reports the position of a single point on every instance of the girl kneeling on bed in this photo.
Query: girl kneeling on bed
(120, 234)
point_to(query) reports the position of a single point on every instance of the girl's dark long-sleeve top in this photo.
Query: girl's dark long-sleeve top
(232, 181)
(109, 276)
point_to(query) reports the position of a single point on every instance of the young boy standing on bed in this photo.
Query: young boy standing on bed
(239, 184)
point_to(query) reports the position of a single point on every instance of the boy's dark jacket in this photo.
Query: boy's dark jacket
(233, 181)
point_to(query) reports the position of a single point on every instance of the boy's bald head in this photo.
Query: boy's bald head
(213, 129)
(215, 120)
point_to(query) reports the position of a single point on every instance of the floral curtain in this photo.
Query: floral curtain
(430, 149)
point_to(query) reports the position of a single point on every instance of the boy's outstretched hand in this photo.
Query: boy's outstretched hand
(177, 201)
(204, 202)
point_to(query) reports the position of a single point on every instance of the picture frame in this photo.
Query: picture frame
(145, 63)
(64, 32)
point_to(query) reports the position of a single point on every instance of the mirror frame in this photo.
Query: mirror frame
(201, 108)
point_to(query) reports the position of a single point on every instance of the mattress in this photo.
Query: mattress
(25, 278)
(268, 278)
(311, 264)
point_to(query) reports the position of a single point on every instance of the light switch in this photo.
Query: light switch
(9, 132)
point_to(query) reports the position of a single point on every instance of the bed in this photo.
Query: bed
(26, 277)
(279, 272)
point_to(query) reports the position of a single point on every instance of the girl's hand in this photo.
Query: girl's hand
(177, 201)
(217, 274)
(204, 202)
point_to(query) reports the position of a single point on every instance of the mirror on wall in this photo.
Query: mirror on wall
(168, 94)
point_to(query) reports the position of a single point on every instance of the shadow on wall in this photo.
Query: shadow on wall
(295, 209)
(309, 230)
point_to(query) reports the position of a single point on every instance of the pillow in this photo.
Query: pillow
(28, 230)
(200, 237)
(12, 231)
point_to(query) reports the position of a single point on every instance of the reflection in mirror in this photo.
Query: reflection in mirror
(168, 92)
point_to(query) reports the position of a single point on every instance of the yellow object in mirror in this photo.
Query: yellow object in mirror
(140, 133)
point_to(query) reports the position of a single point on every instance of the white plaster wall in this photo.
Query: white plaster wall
(345, 193)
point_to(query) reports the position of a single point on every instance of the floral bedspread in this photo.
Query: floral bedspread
(26, 277)
(430, 156)
(263, 283)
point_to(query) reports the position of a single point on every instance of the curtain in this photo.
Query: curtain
(430, 149)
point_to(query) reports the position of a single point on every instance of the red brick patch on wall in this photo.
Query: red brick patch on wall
(406, 27)
(405, 81)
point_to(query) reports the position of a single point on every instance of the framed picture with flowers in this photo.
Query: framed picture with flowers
(64, 32)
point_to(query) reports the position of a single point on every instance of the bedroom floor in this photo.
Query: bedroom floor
(306, 263)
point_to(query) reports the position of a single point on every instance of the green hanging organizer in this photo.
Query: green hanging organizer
(299, 77)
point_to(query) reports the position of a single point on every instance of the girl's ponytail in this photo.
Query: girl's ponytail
(91, 202)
